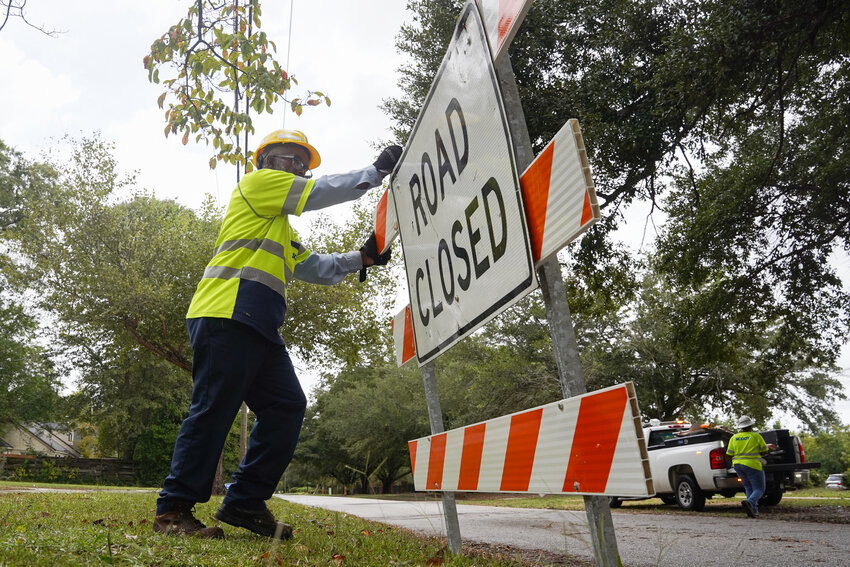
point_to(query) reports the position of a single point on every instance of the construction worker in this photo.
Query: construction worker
(233, 322)
(746, 450)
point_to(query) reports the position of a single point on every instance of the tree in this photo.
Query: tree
(725, 116)
(361, 424)
(211, 53)
(831, 448)
(686, 365)
(116, 276)
(137, 401)
(15, 9)
(28, 381)
(114, 273)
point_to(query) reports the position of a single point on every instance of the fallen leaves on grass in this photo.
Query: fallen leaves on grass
(265, 557)
(439, 557)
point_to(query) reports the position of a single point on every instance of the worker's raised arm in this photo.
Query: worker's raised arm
(339, 188)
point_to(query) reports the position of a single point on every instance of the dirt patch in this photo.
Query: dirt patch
(817, 514)
(537, 558)
(820, 514)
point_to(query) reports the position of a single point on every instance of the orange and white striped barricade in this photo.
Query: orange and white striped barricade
(501, 21)
(558, 194)
(404, 346)
(589, 444)
(385, 222)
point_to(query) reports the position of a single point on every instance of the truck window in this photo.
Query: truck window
(660, 436)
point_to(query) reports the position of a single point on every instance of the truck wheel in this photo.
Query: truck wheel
(614, 502)
(668, 499)
(688, 494)
(770, 498)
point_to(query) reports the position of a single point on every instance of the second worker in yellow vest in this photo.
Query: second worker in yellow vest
(746, 450)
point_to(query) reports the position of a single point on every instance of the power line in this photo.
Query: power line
(288, 50)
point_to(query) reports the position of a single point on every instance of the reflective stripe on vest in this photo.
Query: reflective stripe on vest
(246, 273)
(747, 441)
(256, 242)
(293, 198)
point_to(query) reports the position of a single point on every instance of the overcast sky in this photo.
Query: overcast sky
(90, 77)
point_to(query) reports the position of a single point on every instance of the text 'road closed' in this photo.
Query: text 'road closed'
(459, 211)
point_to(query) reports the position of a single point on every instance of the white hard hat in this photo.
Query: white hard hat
(745, 421)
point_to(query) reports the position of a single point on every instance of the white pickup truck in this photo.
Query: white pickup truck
(688, 464)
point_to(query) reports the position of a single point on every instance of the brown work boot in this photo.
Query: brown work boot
(181, 521)
(260, 521)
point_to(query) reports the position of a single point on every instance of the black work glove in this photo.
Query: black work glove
(370, 250)
(387, 160)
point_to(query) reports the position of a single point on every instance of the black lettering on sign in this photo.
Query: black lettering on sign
(492, 188)
(426, 162)
(461, 253)
(443, 164)
(416, 200)
(448, 290)
(437, 307)
(467, 256)
(454, 107)
(474, 239)
(425, 180)
(424, 315)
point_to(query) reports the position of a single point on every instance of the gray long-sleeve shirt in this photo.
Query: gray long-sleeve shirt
(328, 190)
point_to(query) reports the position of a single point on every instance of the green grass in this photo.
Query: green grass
(12, 485)
(105, 527)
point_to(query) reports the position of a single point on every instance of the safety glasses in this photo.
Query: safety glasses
(291, 163)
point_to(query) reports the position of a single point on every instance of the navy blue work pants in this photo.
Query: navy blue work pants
(754, 484)
(232, 363)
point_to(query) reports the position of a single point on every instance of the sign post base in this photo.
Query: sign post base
(435, 416)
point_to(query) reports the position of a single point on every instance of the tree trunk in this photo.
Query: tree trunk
(243, 432)
(218, 483)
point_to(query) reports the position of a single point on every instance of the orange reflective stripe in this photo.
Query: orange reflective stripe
(411, 446)
(470, 460)
(587, 211)
(535, 197)
(381, 222)
(519, 456)
(435, 461)
(597, 429)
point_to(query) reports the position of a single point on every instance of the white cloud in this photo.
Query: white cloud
(35, 100)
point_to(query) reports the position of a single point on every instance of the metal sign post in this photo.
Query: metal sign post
(435, 416)
(560, 322)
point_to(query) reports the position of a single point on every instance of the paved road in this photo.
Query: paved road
(643, 539)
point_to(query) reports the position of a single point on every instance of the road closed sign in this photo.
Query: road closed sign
(457, 199)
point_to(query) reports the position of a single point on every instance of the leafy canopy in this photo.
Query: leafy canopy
(210, 56)
(729, 117)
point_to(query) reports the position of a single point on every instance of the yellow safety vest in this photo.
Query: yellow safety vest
(256, 244)
(746, 449)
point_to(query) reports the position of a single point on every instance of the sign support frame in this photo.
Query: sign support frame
(558, 315)
(435, 417)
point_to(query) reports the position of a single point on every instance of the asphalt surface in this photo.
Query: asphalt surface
(643, 540)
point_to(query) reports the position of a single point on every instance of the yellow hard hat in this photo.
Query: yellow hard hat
(289, 137)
